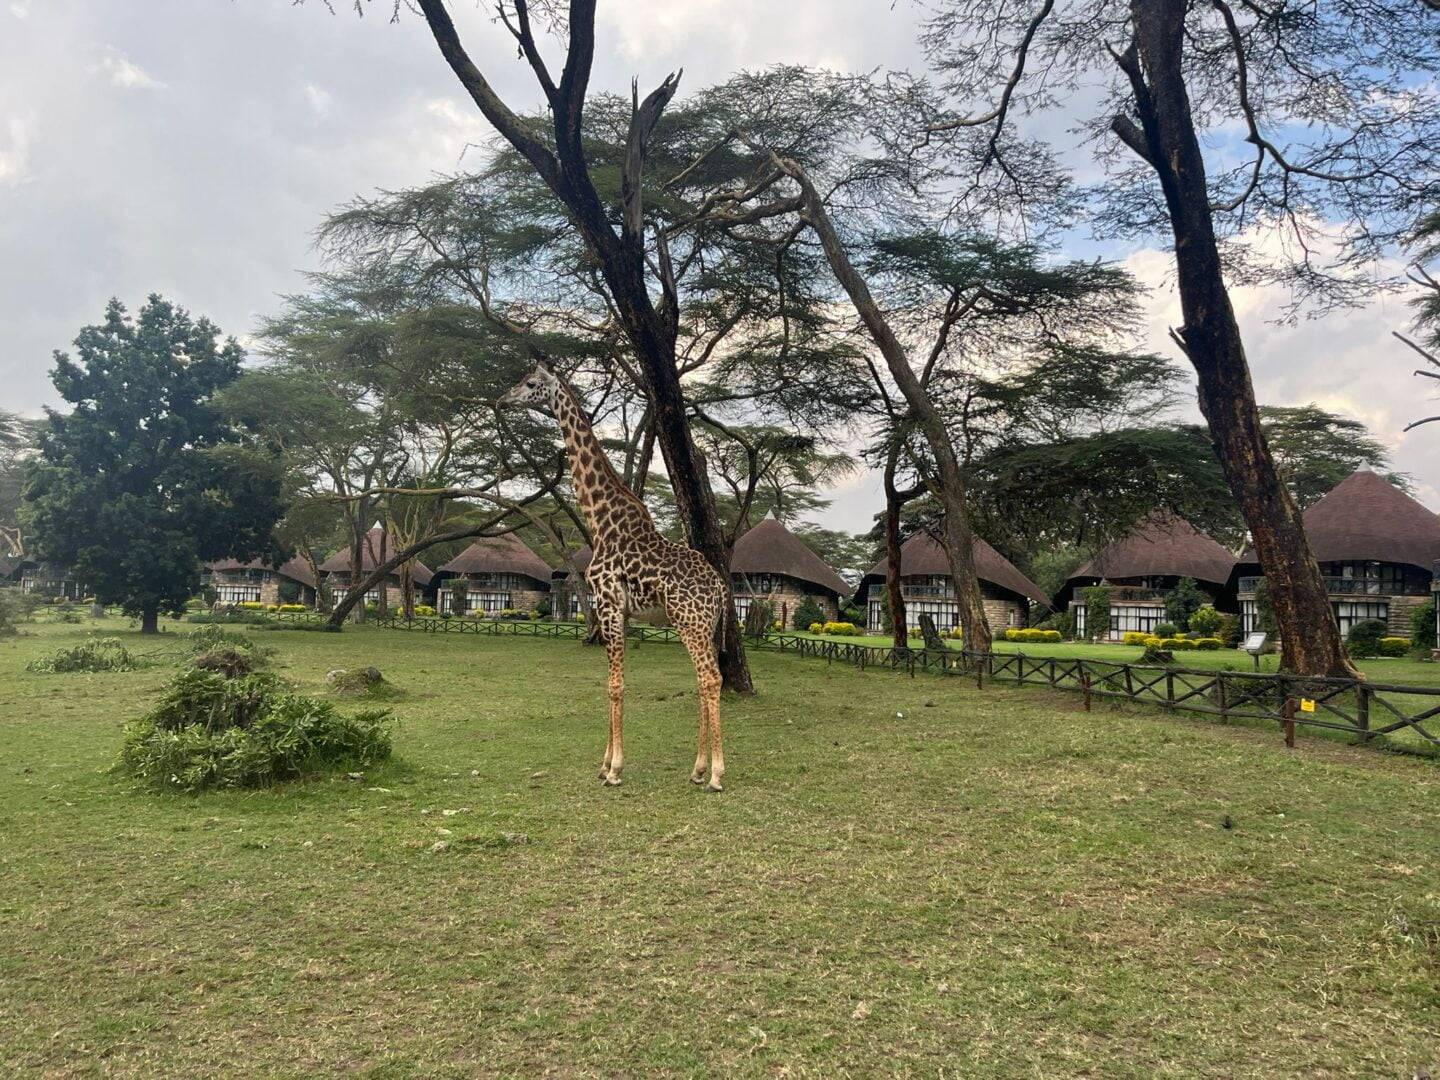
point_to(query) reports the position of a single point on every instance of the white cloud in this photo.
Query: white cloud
(319, 99)
(16, 135)
(20, 8)
(126, 75)
(1346, 362)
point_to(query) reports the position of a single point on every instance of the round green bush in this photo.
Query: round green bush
(1364, 638)
(1207, 621)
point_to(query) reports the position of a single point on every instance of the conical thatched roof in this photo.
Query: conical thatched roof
(340, 562)
(923, 554)
(296, 569)
(506, 554)
(770, 548)
(1161, 546)
(1366, 517)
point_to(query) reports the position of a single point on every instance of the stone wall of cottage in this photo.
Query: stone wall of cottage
(1003, 614)
(528, 595)
(786, 596)
(269, 583)
(1401, 609)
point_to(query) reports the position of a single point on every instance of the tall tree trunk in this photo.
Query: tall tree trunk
(357, 573)
(1309, 635)
(948, 484)
(150, 621)
(621, 261)
(307, 552)
(696, 503)
(383, 605)
(894, 595)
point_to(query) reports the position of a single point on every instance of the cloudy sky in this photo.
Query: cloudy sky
(190, 146)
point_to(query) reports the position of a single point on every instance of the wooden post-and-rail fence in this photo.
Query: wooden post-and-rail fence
(1359, 707)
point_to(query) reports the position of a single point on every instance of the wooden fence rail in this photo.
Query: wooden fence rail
(1361, 708)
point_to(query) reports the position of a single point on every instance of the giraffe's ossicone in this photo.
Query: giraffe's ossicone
(633, 568)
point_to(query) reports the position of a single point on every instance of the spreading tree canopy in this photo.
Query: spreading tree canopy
(144, 479)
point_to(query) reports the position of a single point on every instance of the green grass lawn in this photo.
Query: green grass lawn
(993, 883)
(1401, 670)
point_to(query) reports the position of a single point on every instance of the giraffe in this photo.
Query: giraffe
(632, 568)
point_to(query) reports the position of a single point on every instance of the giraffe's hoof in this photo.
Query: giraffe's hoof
(714, 785)
(612, 781)
(697, 778)
(604, 772)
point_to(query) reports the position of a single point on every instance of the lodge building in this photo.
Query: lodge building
(501, 573)
(335, 571)
(257, 582)
(772, 564)
(928, 589)
(48, 580)
(564, 592)
(1377, 548)
(1142, 567)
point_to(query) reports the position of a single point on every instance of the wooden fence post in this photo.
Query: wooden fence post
(1085, 686)
(1362, 711)
(1290, 721)
(1223, 696)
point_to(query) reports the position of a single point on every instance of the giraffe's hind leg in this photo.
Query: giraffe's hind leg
(613, 628)
(700, 643)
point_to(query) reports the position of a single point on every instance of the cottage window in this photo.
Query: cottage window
(229, 593)
(1125, 618)
(490, 603)
(1349, 613)
(756, 584)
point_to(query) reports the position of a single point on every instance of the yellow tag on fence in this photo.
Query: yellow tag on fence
(1307, 704)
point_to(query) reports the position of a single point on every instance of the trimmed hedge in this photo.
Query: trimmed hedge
(1033, 635)
(1394, 646)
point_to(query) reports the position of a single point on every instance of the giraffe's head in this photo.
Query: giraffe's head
(538, 390)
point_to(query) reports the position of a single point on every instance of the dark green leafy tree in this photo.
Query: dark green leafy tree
(1315, 449)
(805, 614)
(1183, 601)
(1422, 626)
(145, 479)
(1097, 612)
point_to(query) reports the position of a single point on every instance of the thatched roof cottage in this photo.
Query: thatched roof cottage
(928, 589)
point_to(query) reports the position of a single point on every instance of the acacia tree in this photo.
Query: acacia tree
(635, 265)
(737, 320)
(145, 479)
(381, 402)
(1344, 146)
(1315, 449)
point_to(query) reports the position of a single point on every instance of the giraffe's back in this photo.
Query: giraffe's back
(651, 571)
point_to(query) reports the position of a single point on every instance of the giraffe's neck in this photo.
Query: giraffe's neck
(605, 501)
